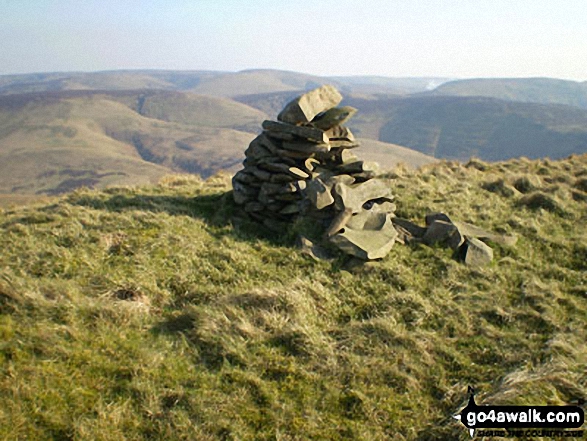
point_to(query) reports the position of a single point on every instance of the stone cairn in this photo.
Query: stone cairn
(301, 165)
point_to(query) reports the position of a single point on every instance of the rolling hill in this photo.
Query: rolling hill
(531, 90)
(461, 127)
(214, 83)
(53, 142)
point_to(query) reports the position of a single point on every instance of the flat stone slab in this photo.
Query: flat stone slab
(444, 233)
(319, 194)
(309, 133)
(304, 108)
(333, 117)
(367, 244)
(355, 195)
(477, 253)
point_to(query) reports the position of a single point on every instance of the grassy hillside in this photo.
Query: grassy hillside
(54, 142)
(461, 127)
(532, 90)
(137, 313)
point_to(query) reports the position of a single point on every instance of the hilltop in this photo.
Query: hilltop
(529, 90)
(144, 312)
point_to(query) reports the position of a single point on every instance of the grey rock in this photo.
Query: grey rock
(319, 194)
(358, 167)
(339, 222)
(477, 253)
(306, 148)
(304, 108)
(367, 244)
(333, 117)
(355, 195)
(308, 133)
(441, 232)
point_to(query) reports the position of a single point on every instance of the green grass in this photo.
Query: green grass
(145, 313)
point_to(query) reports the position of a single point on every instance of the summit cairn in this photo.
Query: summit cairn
(302, 166)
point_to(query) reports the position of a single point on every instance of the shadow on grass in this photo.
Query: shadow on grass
(219, 212)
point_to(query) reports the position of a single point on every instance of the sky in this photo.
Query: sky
(393, 38)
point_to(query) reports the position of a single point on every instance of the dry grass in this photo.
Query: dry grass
(137, 313)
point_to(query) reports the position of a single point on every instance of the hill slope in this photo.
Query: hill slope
(53, 142)
(531, 90)
(143, 313)
(461, 127)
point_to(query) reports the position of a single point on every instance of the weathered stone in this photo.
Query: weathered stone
(367, 244)
(240, 198)
(358, 167)
(276, 206)
(242, 188)
(245, 178)
(281, 178)
(262, 175)
(319, 194)
(279, 167)
(343, 179)
(304, 108)
(340, 133)
(260, 146)
(364, 176)
(339, 222)
(306, 147)
(309, 133)
(354, 196)
(333, 117)
(477, 253)
(310, 164)
(444, 233)
(344, 156)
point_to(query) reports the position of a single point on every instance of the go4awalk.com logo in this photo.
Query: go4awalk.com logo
(519, 417)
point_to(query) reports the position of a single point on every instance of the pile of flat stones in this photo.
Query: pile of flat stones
(301, 165)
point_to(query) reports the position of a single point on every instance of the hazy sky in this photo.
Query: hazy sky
(453, 38)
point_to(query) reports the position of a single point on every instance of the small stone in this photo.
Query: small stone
(444, 233)
(291, 209)
(477, 253)
(333, 117)
(358, 167)
(304, 108)
(319, 194)
(339, 222)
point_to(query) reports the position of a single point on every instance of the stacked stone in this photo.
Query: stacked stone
(301, 165)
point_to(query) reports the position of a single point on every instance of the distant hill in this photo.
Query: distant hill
(531, 90)
(214, 83)
(461, 127)
(53, 142)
